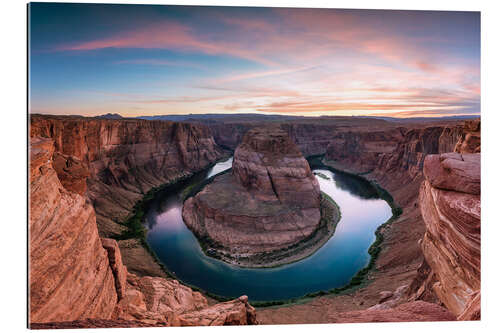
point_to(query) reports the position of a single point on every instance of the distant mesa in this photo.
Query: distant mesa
(268, 211)
(110, 116)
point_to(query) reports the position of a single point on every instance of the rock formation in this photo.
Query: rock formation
(116, 162)
(125, 158)
(412, 311)
(451, 209)
(269, 203)
(400, 171)
(394, 157)
(271, 167)
(237, 312)
(361, 152)
(78, 279)
(69, 273)
(470, 139)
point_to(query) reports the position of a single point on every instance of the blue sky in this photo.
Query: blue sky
(146, 60)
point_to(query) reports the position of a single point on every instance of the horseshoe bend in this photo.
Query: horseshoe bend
(268, 210)
(98, 189)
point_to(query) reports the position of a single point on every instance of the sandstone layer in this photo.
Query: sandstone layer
(116, 162)
(125, 158)
(451, 209)
(69, 273)
(407, 312)
(270, 202)
(394, 158)
(399, 170)
(78, 279)
(470, 139)
(401, 254)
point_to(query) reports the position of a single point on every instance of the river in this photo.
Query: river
(333, 265)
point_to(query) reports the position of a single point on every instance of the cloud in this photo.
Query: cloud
(166, 35)
(261, 74)
(309, 61)
(161, 62)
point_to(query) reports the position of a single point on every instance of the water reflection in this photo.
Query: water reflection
(331, 266)
(219, 167)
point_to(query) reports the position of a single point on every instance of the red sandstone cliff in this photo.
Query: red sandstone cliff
(450, 202)
(69, 273)
(268, 163)
(124, 158)
(470, 138)
(270, 202)
(391, 168)
(394, 158)
(77, 277)
(390, 153)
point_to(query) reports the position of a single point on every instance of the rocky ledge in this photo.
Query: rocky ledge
(268, 211)
(450, 202)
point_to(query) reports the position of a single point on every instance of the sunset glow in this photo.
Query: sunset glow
(157, 60)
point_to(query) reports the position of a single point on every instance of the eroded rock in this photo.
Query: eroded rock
(451, 209)
(69, 273)
(470, 140)
(270, 202)
(412, 311)
(236, 312)
(77, 279)
(455, 172)
(125, 159)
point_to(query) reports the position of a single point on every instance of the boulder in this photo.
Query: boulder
(455, 172)
(236, 312)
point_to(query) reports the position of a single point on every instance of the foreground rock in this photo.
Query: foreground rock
(451, 209)
(412, 311)
(237, 312)
(267, 206)
(77, 279)
(69, 273)
(321, 311)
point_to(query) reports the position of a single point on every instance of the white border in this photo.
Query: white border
(13, 163)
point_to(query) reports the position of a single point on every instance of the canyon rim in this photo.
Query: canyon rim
(200, 166)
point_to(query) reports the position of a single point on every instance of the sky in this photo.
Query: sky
(155, 60)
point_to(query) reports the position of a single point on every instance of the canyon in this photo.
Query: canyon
(75, 275)
(125, 158)
(269, 206)
(87, 174)
(117, 162)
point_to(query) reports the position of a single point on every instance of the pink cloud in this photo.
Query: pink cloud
(261, 74)
(296, 38)
(167, 35)
(315, 61)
